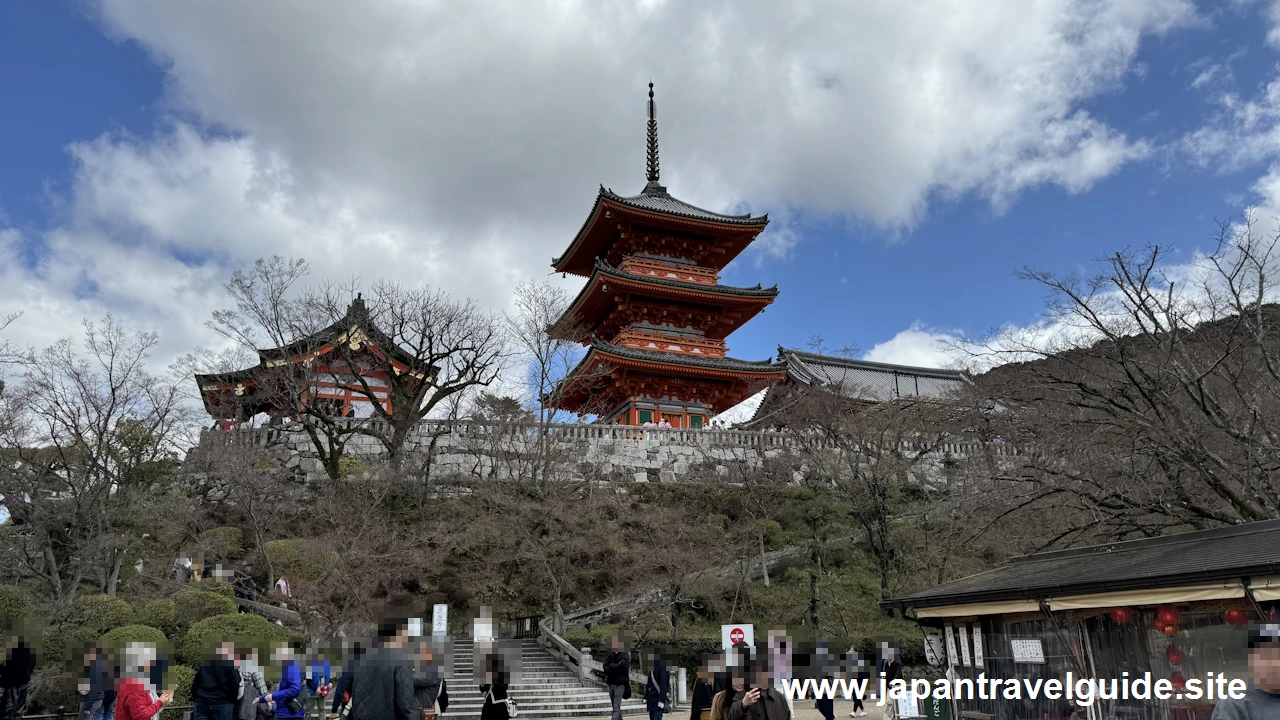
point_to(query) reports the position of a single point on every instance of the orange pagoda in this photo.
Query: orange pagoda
(653, 314)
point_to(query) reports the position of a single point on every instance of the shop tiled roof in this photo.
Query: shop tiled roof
(1245, 550)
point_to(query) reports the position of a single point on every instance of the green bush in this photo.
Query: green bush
(223, 543)
(192, 606)
(179, 678)
(298, 557)
(215, 586)
(247, 631)
(162, 614)
(120, 637)
(64, 646)
(15, 605)
(100, 613)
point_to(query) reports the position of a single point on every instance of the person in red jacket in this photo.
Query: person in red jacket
(133, 692)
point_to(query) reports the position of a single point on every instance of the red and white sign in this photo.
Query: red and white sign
(732, 634)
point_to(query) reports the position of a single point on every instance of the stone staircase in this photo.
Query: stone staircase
(546, 688)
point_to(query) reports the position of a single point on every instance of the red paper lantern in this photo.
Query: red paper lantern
(1166, 614)
(1173, 654)
(1236, 616)
(1169, 630)
(1178, 681)
(1121, 615)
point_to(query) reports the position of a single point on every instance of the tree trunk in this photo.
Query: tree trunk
(113, 579)
(815, 568)
(764, 565)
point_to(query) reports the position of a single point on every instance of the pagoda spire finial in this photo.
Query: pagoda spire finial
(652, 160)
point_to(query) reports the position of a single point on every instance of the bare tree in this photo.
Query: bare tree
(87, 433)
(267, 315)
(1151, 398)
(433, 347)
(548, 357)
(881, 458)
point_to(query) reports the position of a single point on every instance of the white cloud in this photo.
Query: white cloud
(919, 347)
(460, 144)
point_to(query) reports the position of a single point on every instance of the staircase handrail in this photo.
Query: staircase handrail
(589, 669)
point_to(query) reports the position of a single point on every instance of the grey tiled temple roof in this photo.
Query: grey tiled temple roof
(655, 198)
(871, 381)
(1229, 553)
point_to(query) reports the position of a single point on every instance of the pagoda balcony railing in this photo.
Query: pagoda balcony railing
(755, 439)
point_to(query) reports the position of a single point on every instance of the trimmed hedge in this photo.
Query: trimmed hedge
(179, 678)
(247, 631)
(120, 637)
(15, 605)
(99, 613)
(298, 557)
(64, 646)
(192, 605)
(216, 587)
(162, 614)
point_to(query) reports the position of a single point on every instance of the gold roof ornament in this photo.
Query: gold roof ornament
(239, 389)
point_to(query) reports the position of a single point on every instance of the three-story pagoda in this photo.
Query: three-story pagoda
(653, 314)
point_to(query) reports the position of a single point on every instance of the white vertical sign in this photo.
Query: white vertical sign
(440, 620)
(951, 645)
(977, 643)
(963, 632)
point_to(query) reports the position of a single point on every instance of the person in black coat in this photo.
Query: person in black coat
(617, 675)
(383, 685)
(217, 686)
(495, 690)
(657, 688)
(429, 687)
(702, 695)
(15, 677)
(343, 687)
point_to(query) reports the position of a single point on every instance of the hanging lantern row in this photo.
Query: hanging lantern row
(1167, 617)
(1173, 654)
(1178, 680)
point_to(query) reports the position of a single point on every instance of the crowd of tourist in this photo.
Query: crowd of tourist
(396, 676)
(743, 685)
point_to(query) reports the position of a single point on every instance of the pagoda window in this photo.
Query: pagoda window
(695, 422)
(644, 416)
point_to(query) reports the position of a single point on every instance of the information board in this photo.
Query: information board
(1027, 650)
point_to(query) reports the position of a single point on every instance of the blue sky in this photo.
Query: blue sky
(148, 149)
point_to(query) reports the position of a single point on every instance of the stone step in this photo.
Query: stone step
(554, 714)
(597, 702)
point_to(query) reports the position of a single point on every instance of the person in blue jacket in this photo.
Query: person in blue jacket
(319, 678)
(657, 689)
(284, 700)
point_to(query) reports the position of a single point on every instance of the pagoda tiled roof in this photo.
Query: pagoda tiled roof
(605, 268)
(695, 361)
(655, 198)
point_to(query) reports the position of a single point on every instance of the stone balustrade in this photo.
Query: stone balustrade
(504, 449)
